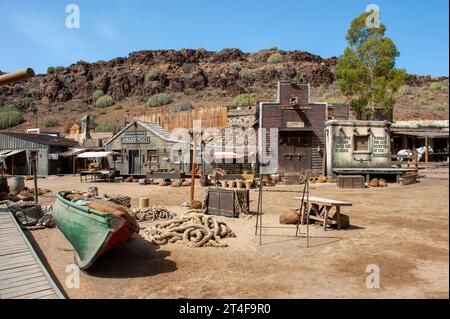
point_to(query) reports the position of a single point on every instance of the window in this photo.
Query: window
(152, 156)
(330, 113)
(117, 156)
(361, 143)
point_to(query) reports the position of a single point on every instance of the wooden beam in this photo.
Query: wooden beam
(193, 172)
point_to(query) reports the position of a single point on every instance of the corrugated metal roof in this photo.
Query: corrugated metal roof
(152, 127)
(42, 139)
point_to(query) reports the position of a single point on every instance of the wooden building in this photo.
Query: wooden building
(301, 125)
(17, 150)
(141, 147)
(419, 133)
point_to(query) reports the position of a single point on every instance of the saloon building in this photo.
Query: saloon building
(141, 147)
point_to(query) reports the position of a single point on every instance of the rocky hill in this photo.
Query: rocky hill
(199, 77)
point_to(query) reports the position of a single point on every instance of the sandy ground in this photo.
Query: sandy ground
(401, 229)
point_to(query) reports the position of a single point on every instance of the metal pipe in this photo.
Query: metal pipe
(16, 76)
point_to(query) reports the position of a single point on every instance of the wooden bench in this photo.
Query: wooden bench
(321, 210)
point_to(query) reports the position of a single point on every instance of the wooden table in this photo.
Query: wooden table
(321, 210)
(94, 176)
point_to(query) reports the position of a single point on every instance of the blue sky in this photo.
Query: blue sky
(34, 34)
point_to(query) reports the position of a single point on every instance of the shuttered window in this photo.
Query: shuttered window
(361, 143)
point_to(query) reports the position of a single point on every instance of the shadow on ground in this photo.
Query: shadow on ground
(137, 258)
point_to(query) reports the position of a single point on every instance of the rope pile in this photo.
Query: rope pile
(121, 200)
(194, 229)
(152, 213)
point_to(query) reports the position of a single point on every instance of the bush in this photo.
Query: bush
(159, 99)
(59, 68)
(51, 123)
(335, 101)
(244, 100)
(107, 127)
(236, 66)
(104, 101)
(437, 86)
(275, 48)
(153, 74)
(275, 58)
(9, 117)
(440, 107)
(247, 74)
(404, 90)
(97, 94)
(28, 102)
(34, 93)
(51, 69)
(188, 67)
(118, 107)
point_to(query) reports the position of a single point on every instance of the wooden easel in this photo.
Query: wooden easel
(304, 209)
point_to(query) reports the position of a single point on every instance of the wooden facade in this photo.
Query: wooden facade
(141, 147)
(301, 125)
(210, 117)
(17, 149)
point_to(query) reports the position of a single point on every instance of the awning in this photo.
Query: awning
(4, 152)
(10, 153)
(424, 134)
(93, 154)
(227, 155)
(72, 152)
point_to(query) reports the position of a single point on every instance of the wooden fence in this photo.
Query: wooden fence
(210, 117)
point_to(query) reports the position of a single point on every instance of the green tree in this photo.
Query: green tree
(366, 70)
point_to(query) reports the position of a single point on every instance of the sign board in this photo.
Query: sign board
(295, 124)
(135, 139)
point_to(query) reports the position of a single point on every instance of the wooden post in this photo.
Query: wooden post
(33, 164)
(12, 165)
(324, 153)
(193, 171)
(73, 164)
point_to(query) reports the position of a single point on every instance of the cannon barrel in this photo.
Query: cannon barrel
(16, 76)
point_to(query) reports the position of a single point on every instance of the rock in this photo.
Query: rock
(322, 179)
(128, 179)
(373, 182)
(177, 183)
(186, 183)
(164, 183)
(382, 183)
(289, 218)
(196, 204)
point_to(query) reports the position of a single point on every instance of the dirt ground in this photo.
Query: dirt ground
(401, 229)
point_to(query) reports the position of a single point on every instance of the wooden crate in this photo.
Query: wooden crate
(409, 178)
(228, 202)
(350, 181)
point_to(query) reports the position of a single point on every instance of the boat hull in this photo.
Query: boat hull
(90, 232)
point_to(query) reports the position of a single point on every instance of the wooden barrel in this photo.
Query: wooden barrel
(16, 184)
(204, 181)
(144, 202)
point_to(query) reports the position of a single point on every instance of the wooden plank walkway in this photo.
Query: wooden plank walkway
(22, 275)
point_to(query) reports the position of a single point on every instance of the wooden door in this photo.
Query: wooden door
(134, 162)
(294, 153)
